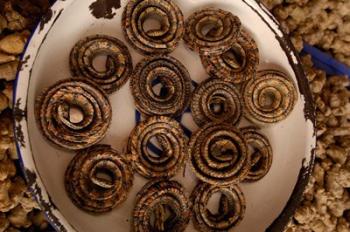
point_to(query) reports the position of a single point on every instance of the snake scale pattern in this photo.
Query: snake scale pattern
(221, 154)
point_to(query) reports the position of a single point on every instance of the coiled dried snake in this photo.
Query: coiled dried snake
(172, 140)
(118, 63)
(211, 31)
(236, 65)
(157, 197)
(161, 40)
(52, 111)
(231, 209)
(176, 82)
(91, 192)
(216, 100)
(270, 97)
(218, 154)
(261, 155)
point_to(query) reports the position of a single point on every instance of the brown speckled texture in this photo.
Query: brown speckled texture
(118, 63)
(155, 196)
(216, 100)
(52, 109)
(293, 3)
(92, 193)
(219, 154)
(176, 81)
(269, 98)
(224, 28)
(261, 156)
(16, 18)
(172, 141)
(231, 208)
(241, 66)
(157, 40)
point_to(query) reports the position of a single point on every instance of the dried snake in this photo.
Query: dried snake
(118, 63)
(52, 110)
(161, 206)
(219, 155)
(215, 100)
(172, 140)
(270, 97)
(231, 209)
(98, 179)
(261, 156)
(211, 31)
(160, 40)
(176, 89)
(238, 64)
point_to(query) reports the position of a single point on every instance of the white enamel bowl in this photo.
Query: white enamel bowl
(270, 202)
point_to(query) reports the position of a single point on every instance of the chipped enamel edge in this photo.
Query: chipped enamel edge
(32, 176)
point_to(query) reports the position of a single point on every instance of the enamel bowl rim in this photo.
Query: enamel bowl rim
(56, 219)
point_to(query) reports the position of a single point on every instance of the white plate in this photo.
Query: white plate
(270, 202)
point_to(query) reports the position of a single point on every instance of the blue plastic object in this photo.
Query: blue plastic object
(326, 62)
